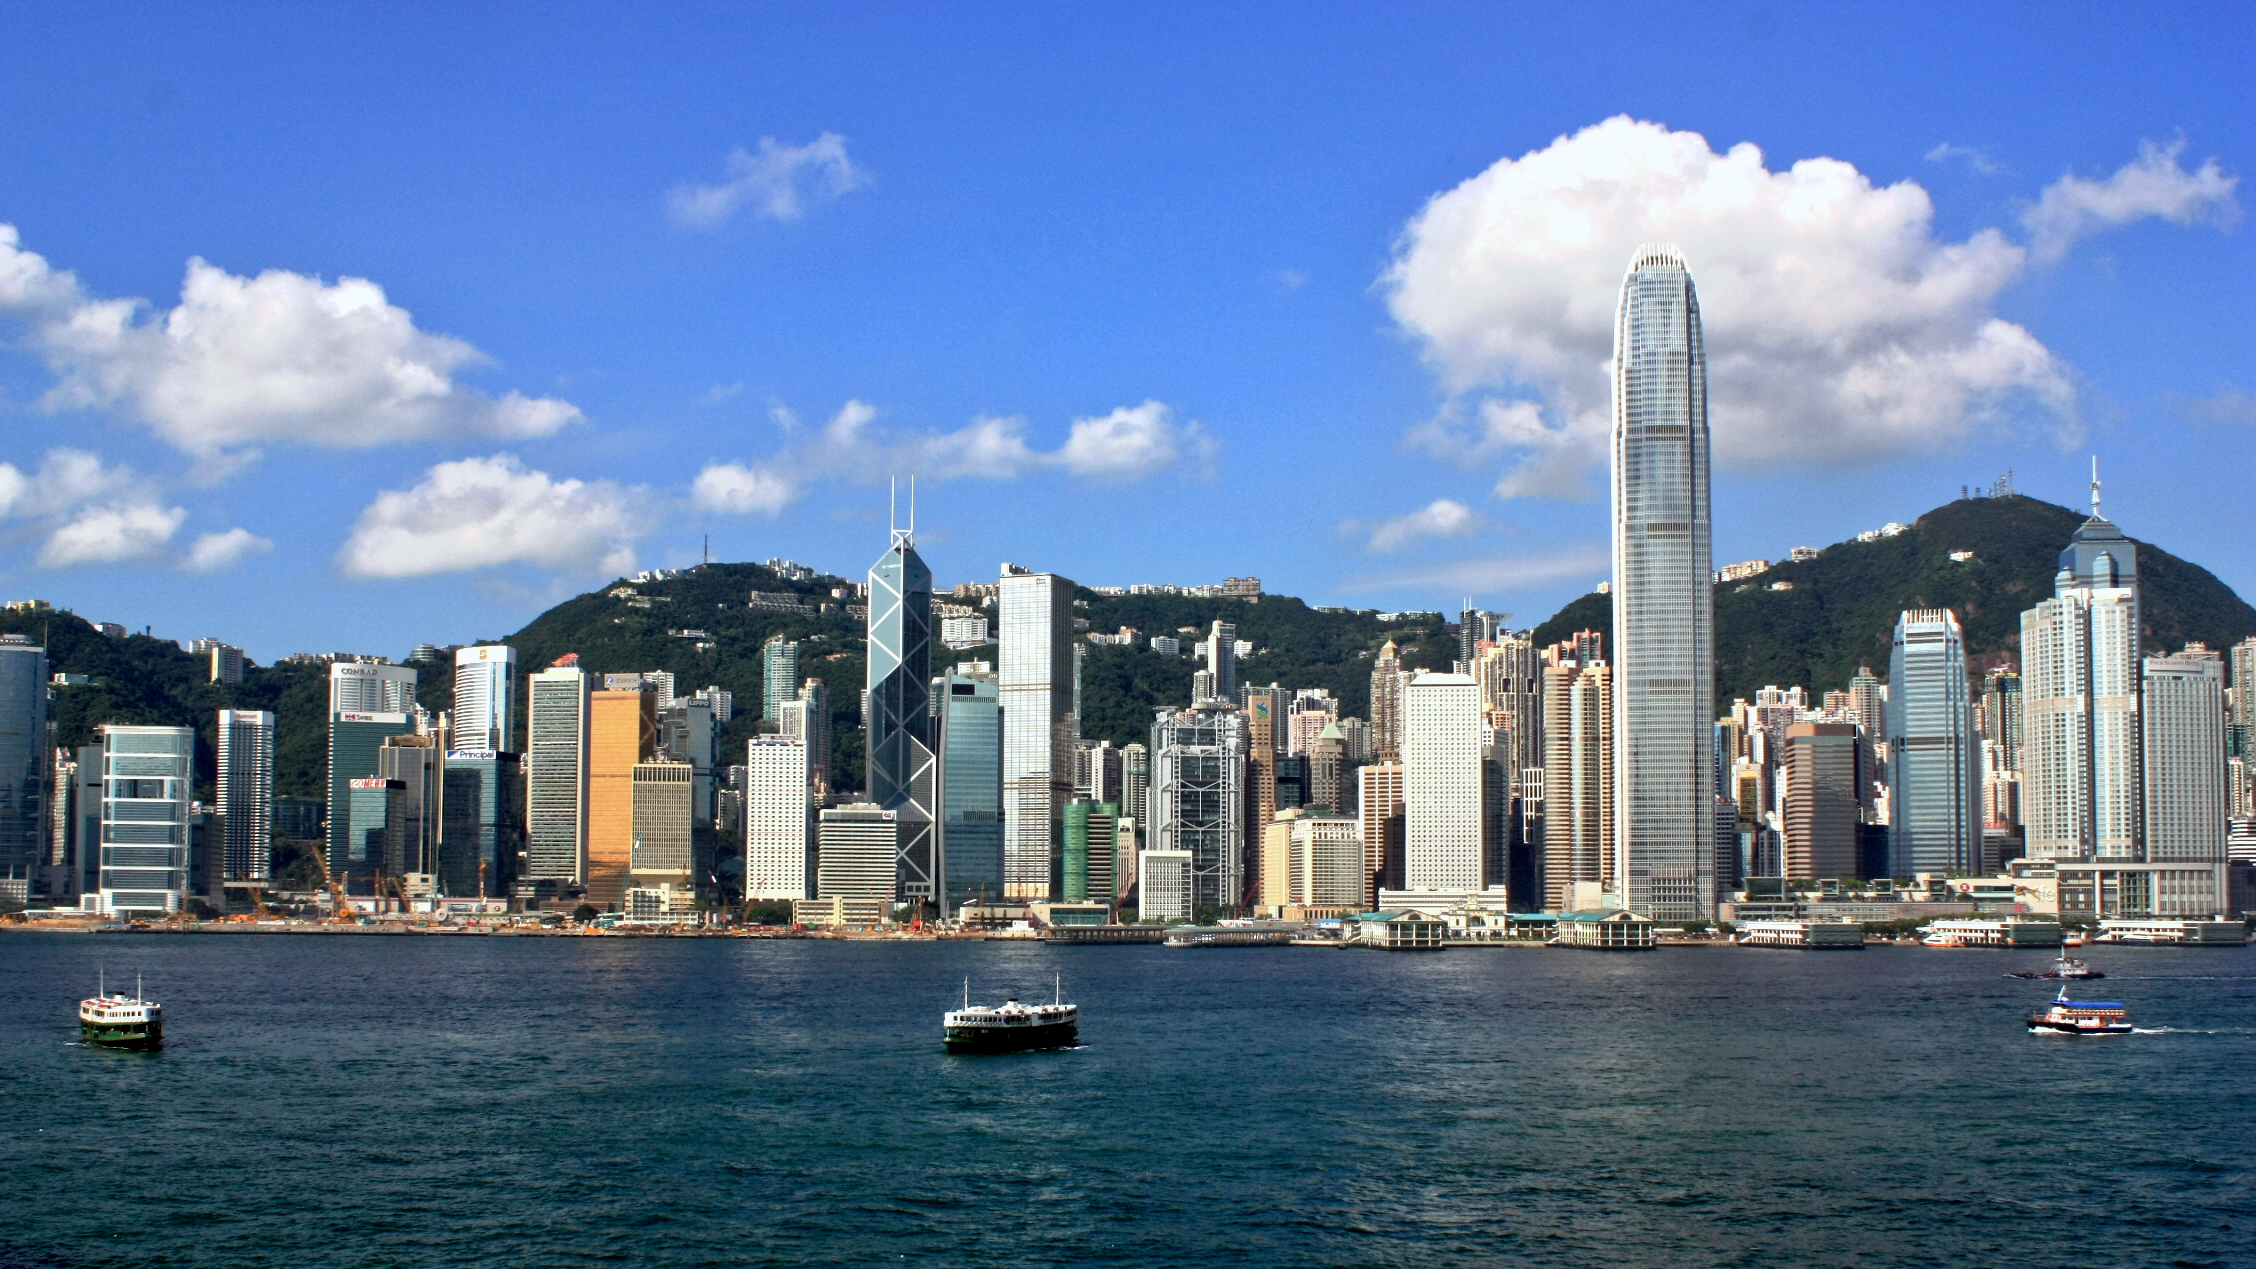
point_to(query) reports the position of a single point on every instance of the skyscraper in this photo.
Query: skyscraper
(1197, 798)
(1443, 826)
(1327, 768)
(855, 854)
(24, 830)
(1511, 679)
(1091, 834)
(2182, 716)
(779, 675)
(481, 822)
(1260, 780)
(2080, 692)
(1135, 781)
(1664, 599)
(368, 704)
(779, 821)
(1036, 690)
(419, 766)
(1821, 802)
(816, 722)
(1222, 658)
(485, 698)
(556, 776)
(146, 777)
(901, 768)
(2241, 699)
(1934, 766)
(245, 793)
(1577, 824)
(664, 852)
(622, 731)
(1386, 704)
(1378, 801)
(2004, 725)
(971, 787)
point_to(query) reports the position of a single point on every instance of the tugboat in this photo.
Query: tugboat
(2081, 1017)
(2065, 967)
(121, 1022)
(1010, 1026)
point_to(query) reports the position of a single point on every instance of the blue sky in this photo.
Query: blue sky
(1148, 293)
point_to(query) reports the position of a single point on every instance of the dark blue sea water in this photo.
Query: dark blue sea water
(436, 1101)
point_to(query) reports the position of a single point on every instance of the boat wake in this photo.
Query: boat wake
(2190, 1031)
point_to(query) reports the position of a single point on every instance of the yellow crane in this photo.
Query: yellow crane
(340, 911)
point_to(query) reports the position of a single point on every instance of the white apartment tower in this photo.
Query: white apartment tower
(1441, 783)
(779, 821)
(2182, 716)
(556, 774)
(245, 793)
(2080, 700)
(485, 685)
(1664, 599)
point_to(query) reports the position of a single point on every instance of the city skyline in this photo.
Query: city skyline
(676, 343)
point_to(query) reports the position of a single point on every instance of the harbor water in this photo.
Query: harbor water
(557, 1101)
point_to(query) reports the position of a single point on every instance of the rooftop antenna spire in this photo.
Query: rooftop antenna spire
(892, 504)
(2095, 486)
(902, 537)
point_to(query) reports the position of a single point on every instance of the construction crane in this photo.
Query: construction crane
(340, 911)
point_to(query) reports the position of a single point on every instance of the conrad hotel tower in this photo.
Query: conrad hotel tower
(1664, 599)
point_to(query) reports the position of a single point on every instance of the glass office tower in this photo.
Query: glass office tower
(1664, 601)
(900, 765)
(971, 787)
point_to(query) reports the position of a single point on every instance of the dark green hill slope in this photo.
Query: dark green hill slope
(1844, 604)
(613, 635)
(1295, 646)
(152, 682)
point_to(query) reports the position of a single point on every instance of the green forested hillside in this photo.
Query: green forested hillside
(1844, 603)
(1295, 646)
(1837, 616)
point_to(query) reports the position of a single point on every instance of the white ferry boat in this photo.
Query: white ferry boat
(1010, 1026)
(2081, 1017)
(121, 1021)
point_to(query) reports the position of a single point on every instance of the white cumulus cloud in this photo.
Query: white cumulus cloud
(280, 358)
(1441, 518)
(778, 182)
(90, 511)
(1839, 326)
(736, 489)
(1130, 443)
(110, 534)
(480, 512)
(2152, 184)
(214, 552)
(65, 479)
